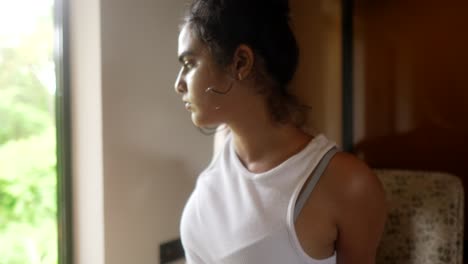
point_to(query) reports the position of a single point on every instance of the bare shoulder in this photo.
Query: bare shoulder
(360, 208)
(354, 179)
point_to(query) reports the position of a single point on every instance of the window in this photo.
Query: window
(29, 118)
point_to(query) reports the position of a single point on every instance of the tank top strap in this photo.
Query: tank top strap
(315, 176)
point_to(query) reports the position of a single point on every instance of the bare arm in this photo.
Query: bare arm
(362, 215)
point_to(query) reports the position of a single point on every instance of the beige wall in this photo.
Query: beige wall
(136, 153)
(129, 117)
(318, 80)
(87, 158)
(152, 152)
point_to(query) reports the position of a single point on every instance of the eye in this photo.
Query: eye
(188, 65)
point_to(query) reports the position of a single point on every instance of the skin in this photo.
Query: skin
(347, 210)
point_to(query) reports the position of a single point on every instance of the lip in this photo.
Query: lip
(187, 105)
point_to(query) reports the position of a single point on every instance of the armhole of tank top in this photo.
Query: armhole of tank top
(309, 184)
(294, 239)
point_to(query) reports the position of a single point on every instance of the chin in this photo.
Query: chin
(204, 122)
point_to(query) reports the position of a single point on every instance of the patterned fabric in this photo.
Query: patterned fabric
(425, 222)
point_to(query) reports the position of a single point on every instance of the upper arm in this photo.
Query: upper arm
(362, 214)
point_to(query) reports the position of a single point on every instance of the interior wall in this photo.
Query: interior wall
(318, 81)
(152, 152)
(415, 60)
(86, 123)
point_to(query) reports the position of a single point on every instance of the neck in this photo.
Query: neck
(262, 144)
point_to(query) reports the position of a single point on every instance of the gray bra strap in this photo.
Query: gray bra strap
(318, 171)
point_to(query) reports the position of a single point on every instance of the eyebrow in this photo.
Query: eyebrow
(185, 54)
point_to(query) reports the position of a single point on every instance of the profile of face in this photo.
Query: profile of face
(198, 74)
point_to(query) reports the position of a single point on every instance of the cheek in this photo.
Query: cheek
(198, 81)
(195, 87)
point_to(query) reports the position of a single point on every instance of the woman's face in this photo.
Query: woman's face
(198, 73)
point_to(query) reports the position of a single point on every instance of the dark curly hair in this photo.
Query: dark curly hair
(264, 26)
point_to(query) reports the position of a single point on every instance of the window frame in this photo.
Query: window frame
(63, 132)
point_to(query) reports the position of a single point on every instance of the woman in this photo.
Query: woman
(254, 203)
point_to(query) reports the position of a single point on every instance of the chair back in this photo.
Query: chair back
(425, 221)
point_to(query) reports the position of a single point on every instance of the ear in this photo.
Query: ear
(243, 62)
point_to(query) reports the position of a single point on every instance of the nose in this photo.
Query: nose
(180, 85)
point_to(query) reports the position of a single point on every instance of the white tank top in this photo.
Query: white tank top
(239, 217)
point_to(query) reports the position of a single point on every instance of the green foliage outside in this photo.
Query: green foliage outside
(28, 226)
